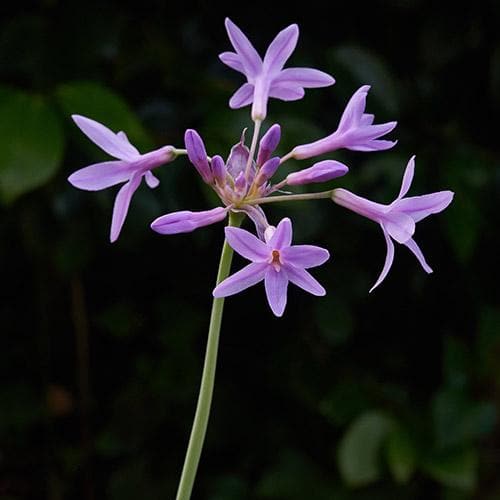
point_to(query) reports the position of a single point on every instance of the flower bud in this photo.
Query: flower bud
(198, 154)
(268, 144)
(320, 172)
(218, 170)
(186, 221)
(267, 171)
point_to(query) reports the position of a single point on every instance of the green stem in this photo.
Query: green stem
(202, 414)
(255, 137)
(292, 197)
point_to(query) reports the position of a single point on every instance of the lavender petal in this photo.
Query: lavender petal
(304, 280)
(281, 49)
(412, 245)
(282, 236)
(407, 177)
(186, 221)
(197, 154)
(268, 143)
(320, 172)
(247, 245)
(122, 203)
(286, 92)
(232, 60)
(242, 97)
(304, 77)
(250, 59)
(101, 175)
(305, 256)
(419, 207)
(276, 284)
(245, 278)
(114, 144)
(389, 258)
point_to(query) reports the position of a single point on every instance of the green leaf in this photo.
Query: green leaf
(31, 141)
(104, 105)
(457, 469)
(359, 450)
(401, 455)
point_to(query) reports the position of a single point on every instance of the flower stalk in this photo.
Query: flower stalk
(202, 414)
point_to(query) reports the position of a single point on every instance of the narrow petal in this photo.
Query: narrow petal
(412, 245)
(267, 171)
(304, 77)
(247, 245)
(281, 49)
(151, 180)
(399, 225)
(245, 278)
(388, 260)
(122, 202)
(101, 175)
(373, 145)
(114, 144)
(304, 280)
(407, 177)
(242, 97)
(354, 109)
(361, 135)
(282, 237)
(186, 221)
(419, 207)
(305, 256)
(276, 283)
(198, 154)
(286, 92)
(250, 59)
(232, 60)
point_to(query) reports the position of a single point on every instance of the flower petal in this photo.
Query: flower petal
(304, 280)
(419, 207)
(243, 279)
(373, 145)
(232, 60)
(247, 245)
(286, 91)
(101, 175)
(388, 260)
(354, 109)
(304, 77)
(407, 177)
(198, 154)
(151, 180)
(412, 245)
(276, 283)
(268, 143)
(322, 171)
(282, 236)
(399, 225)
(122, 202)
(358, 204)
(114, 144)
(281, 49)
(305, 255)
(249, 57)
(242, 97)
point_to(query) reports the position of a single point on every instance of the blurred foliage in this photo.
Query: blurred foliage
(391, 395)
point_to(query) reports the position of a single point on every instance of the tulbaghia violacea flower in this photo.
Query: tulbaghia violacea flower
(397, 219)
(267, 78)
(276, 261)
(355, 131)
(129, 167)
(320, 172)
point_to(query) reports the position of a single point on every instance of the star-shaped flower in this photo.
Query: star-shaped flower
(129, 167)
(267, 78)
(397, 219)
(356, 131)
(275, 261)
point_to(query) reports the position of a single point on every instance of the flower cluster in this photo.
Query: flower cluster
(245, 180)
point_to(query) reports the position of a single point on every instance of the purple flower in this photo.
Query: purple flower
(130, 167)
(355, 131)
(275, 261)
(267, 78)
(397, 219)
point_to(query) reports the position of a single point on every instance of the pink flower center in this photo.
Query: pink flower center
(275, 259)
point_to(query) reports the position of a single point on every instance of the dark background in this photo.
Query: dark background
(393, 395)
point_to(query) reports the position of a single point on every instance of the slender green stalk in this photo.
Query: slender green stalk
(292, 197)
(202, 414)
(255, 137)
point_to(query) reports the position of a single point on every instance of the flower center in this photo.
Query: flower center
(275, 260)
